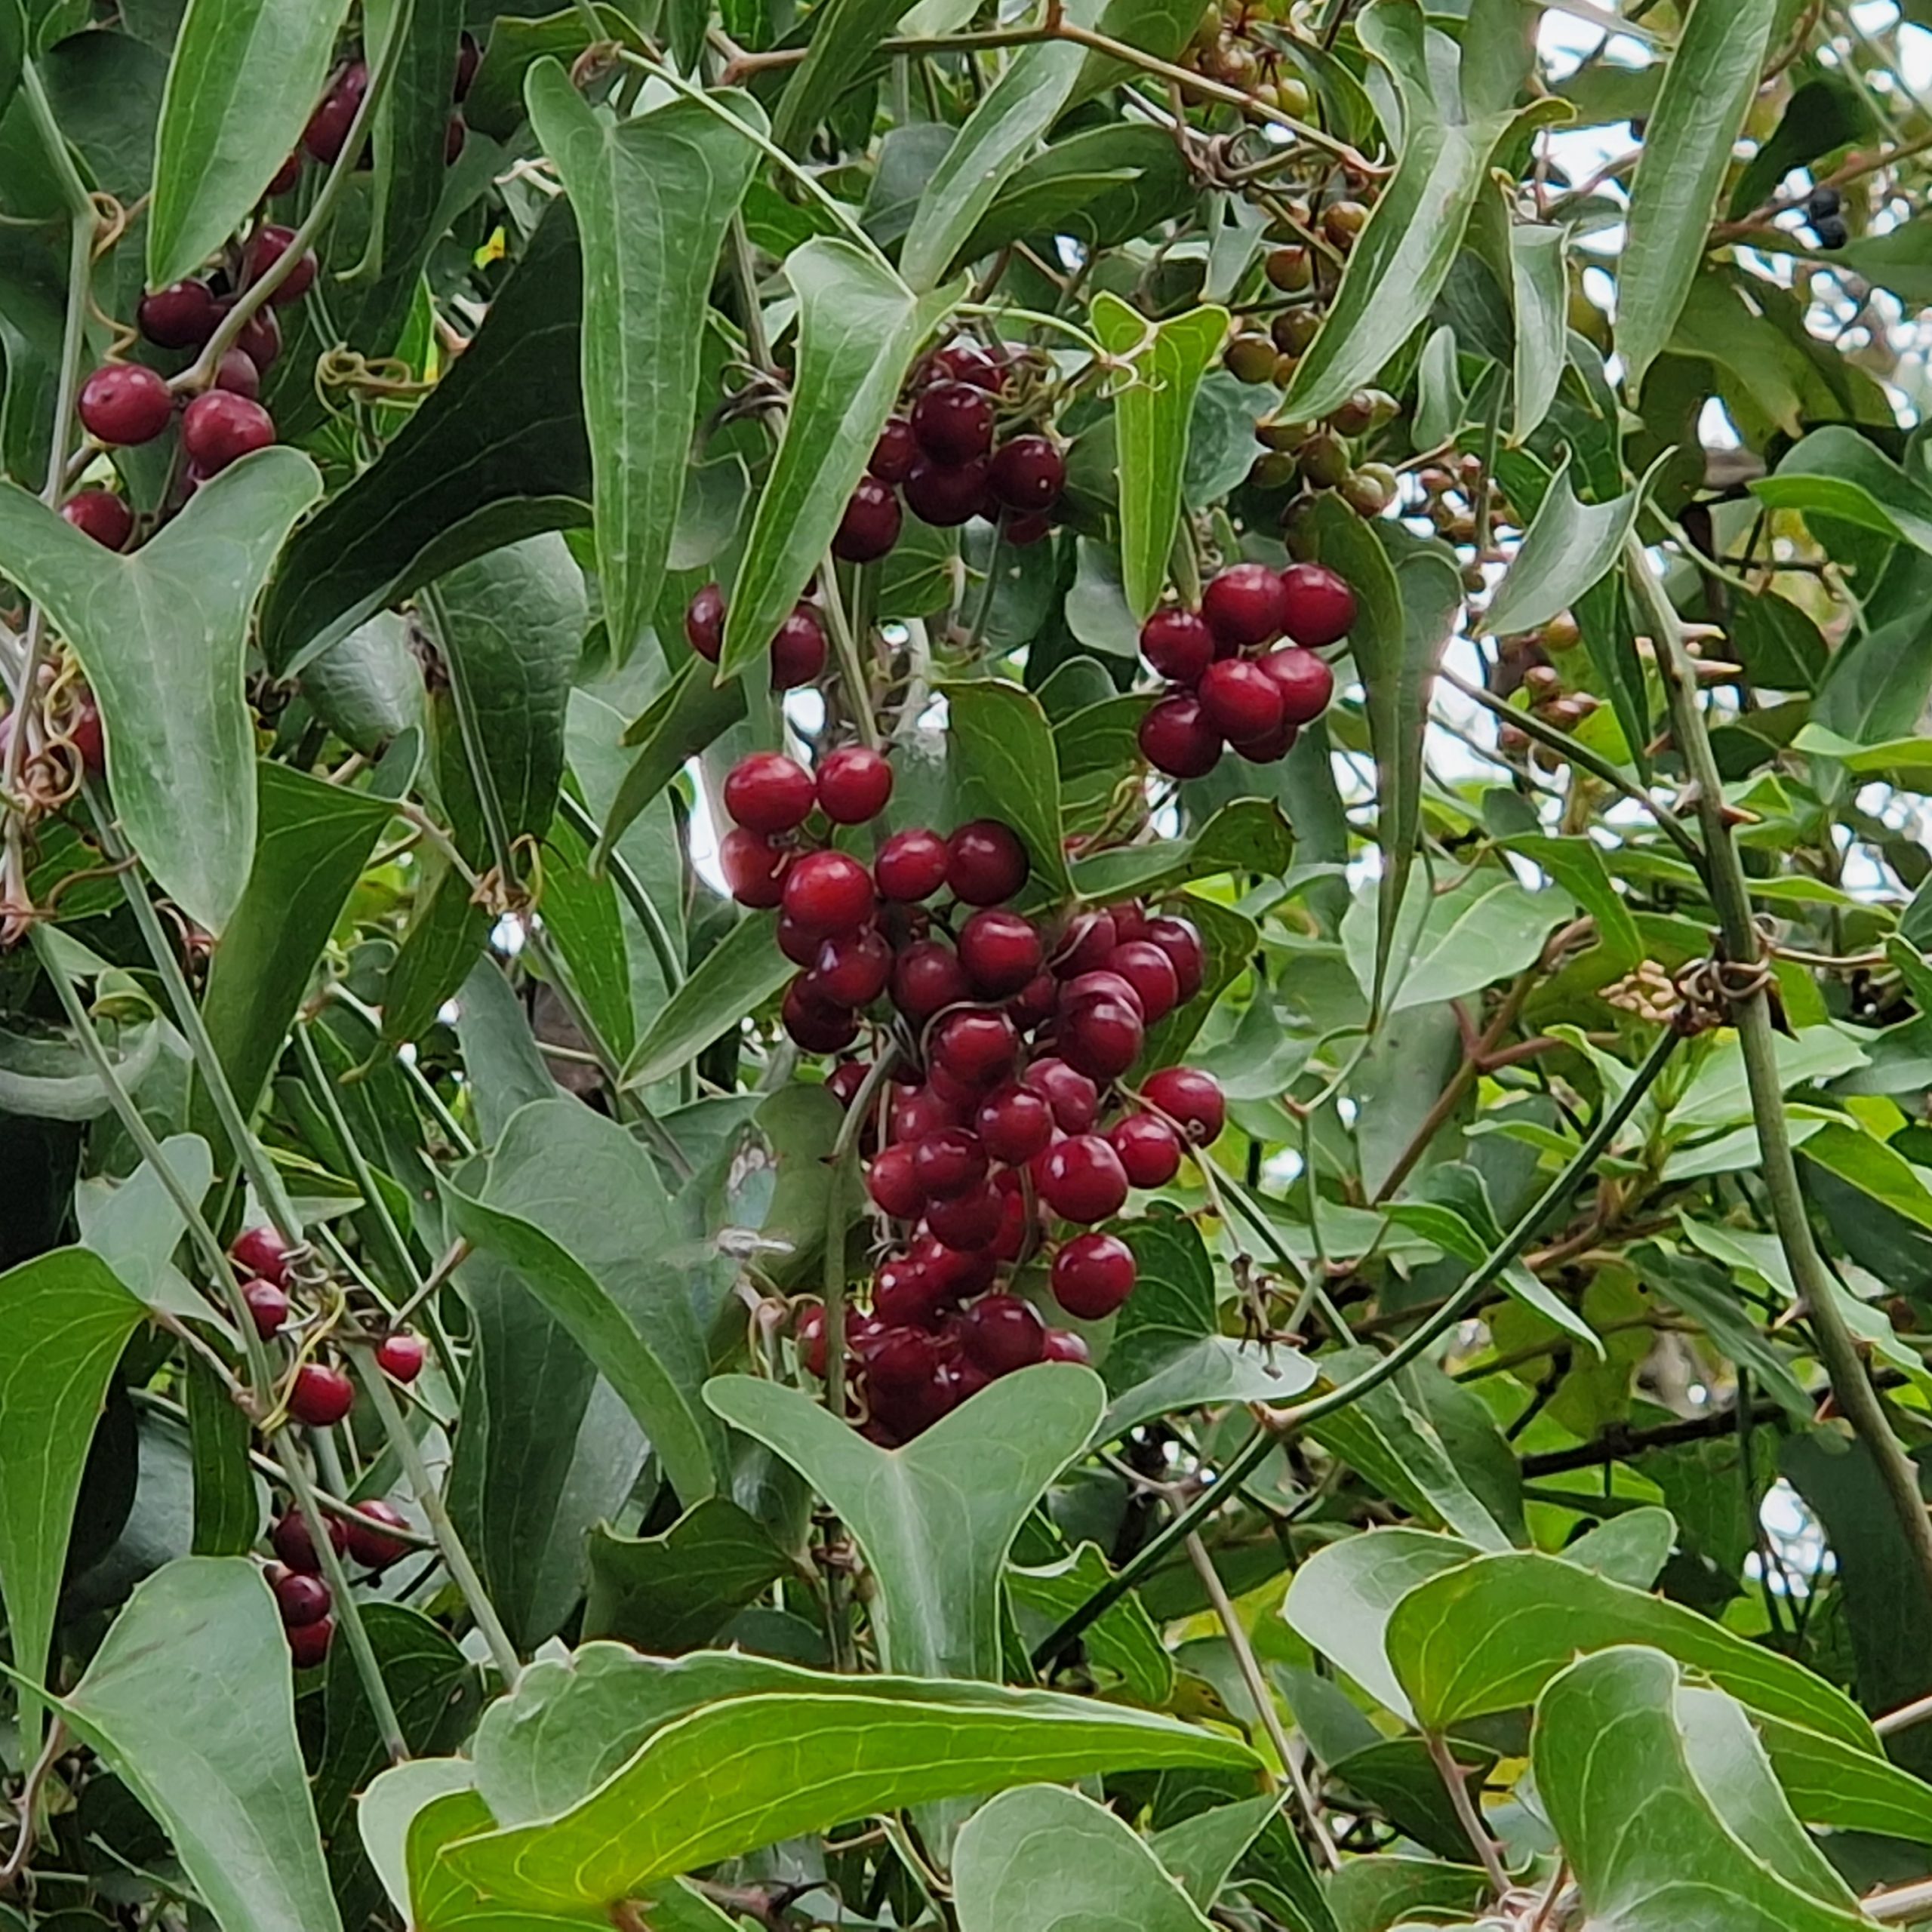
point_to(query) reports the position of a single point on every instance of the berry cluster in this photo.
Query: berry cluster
(1824, 215)
(1318, 456)
(302, 1593)
(327, 133)
(797, 652)
(1226, 686)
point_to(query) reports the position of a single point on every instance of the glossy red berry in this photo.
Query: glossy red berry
(1191, 1098)
(986, 863)
(975, 1048)
(797, 652)
(1063, 1346)
(800, 947)
(870, 526)
(268, 1307)
(294, 1545)
(401, 1356)
(283, 180)
(845, 1080)
(953, 423)
(892, 1181)
(85, 733)
(1130, 919)
(1180, 940)
(182, 315)
(896, 452)
(1177, 738)
(1027, 474)
(1270, 749)
(1149, 1149)
(321, 1395)
(368, 1533)
(927, 978)
(918, 1111)
(327, 130)
(1015, 1123)
(946, 495)
(1305, 683)
(911, 866)
(854, 782)
(852, 969)
(124, 403)
(967, 362)
(810, 1333)
(237, 373)
(101, 514)
(308, 1645)
(1001, 1333)
(1092, 1275)
(968, 1220)
(1074, 1098)
(815, 1025)
(1104, 1038)
(956, 1273)
(1178, 644)
(300, 1597)
(1245, 604)
(1021, 531)
(768, 792)
(828, 892)
(949, 1162)
(1081, 1179)
(1035, 1000)
(904, 1295)
(754, 868)
(898, 1358)
(1320, 608)
(267, 247)
(219, 427)
(262, 1252)
(1000, 951)
(1239, 699)
(260, 339)
(704, 623)
(1148, 971)
(1104, 984)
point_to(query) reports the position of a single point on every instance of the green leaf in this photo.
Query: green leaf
(1569, 548)
(859, 327)
(135, 1227)
(1836, 472)
(1826, 111)
(1700, 109)
(313, 840)
(496, 453)
(1874, 692)
(652, 197)
(573, 1204)
(1371, 1894)
(228, 1501)
(66, 1319)
(13, 51)
(743, 970)
(49, 1077)
(674, 1592)
(1542, 294)
(1202, 1851)
(1041, 1856)
(1153, 409)
(844, 36)
(1004, 766)
(1631, 1548)
(1102, 186)
(245, 77)
(690, 714)
(189, 1701)
(1123, 1639)
(1632, 1772)
(935, 1520)
(161, 634)
(1250, 835)
(1577, 865)
(580, 913)
(369, 687)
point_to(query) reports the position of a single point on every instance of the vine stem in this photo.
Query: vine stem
(1278, 1425)
(1469, 1814)
(1838, 1348)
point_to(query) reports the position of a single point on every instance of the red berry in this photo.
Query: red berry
(1178, 644)
(401, 1356)
(300, 1597)
(1305, 683)
(919, 1111)
(182, 315)
(1239, 699)
(124, 403)
(268, 1307)
(283, 181)
(85, 733)
(1015, 1123)
(967, 362)
(1000, 951)
(852, 969)
(911, 866)
(1063, 1346)
(456, 133)
(853, 785)
(1320, 608)
(968, 1220)
(1175, 738)
(262, 1252)
(797, 652)
(1081, 1179)
(1149, 1149)
(469, 58)
(1103, 986)
(810, 1332)
(1148, 971)
(1181, 942)
(815, 1025)
(768, 793)
(905, 1296)
(944, 495)
(267, 247)
(260, 339)
(828, 892)
(949, 1162)
(328, 126)
(238, 375)
(1001, 1333)
(365, 1532)
(754, 868)
(1245, 604)
(297, 1548)
(102, 515)
(1035, 1000)
(955, 1273)
(927, 978)
(953, 423)
(1022, 531)
(975, 1048)
(1027, 474)
(800, 947)
(870, 526)
(1092, 1275)
(1104, 1038)
(986, 863)
(1190, 1097)
(1130, 919)
(309, 1644)
(892, 1181)
(321, 1395)
(1085, 945)
(896, 452)
(1270, 749)
(845, 1080)
(219, 427)
(1074, 1098)
(704, 623)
